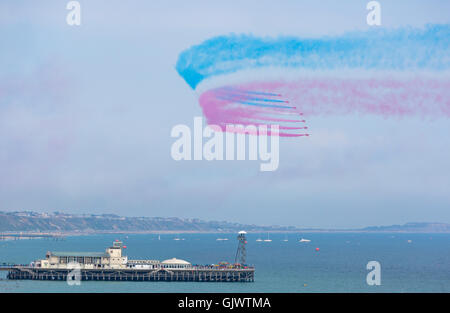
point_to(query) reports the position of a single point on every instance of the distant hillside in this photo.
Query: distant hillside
(59, 222)
(27, 221)
(412, 228)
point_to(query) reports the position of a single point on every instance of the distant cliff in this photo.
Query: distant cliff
(27, 221)
(60, 222)
(412, 228)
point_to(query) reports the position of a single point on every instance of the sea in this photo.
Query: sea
(330, 262)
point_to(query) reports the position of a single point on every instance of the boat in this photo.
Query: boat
(268, 239)
(304, 240)
(222, 239)
(259, 239)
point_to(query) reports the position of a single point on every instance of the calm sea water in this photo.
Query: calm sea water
(340, 266)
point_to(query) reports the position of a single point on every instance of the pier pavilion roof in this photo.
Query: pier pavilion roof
(80, 254)
(175, 261)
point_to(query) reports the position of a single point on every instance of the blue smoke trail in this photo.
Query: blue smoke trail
(400, 49)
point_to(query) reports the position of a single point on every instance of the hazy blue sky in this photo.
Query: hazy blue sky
(86, 114)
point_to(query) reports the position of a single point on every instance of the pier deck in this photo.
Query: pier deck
(192, 274)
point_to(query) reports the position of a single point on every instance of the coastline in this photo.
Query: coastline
(26, 235)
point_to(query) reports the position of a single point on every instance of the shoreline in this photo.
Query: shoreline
(24, 235)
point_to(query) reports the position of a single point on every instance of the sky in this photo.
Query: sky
(86, 114)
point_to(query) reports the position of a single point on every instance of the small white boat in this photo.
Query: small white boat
(268, 239)
(222, 239)
(304, 240)
(176, 239)
(259, 239)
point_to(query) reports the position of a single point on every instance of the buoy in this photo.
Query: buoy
(317, 249)
(124, 247)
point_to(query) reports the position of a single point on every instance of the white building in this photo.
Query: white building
(112, 258)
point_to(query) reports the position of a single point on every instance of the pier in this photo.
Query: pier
(112, 265)
(30, 235)
(194, 274)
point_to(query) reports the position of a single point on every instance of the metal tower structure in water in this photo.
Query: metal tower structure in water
(241, 253)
